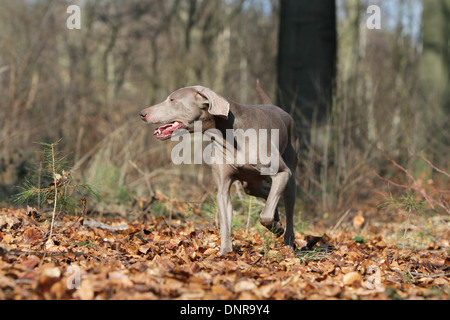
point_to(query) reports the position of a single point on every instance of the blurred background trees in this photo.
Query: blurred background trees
(389, 86)
(435, 63)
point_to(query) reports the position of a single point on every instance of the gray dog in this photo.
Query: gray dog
(190, 105)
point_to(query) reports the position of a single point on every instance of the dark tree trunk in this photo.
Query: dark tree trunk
(306, 58)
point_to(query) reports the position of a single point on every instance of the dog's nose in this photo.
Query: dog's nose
(143, 114)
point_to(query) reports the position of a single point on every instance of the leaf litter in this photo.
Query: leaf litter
(153, 258)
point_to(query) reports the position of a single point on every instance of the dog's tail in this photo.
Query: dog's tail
(262, 95)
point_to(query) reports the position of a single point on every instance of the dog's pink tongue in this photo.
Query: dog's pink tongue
(166, 129)
(161, 130)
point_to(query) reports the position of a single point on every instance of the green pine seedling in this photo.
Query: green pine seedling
(61, 192)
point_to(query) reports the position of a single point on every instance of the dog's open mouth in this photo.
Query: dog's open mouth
(166, 131)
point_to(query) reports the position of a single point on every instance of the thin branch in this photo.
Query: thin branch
(50, 241)
(418, 274)
(340, 221)
(394, 183)
(430, 164)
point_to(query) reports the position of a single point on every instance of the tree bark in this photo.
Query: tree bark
(306, 57)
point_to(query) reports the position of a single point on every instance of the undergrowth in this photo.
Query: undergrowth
(54, 186)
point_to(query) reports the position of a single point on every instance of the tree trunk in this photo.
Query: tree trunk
(306, 58)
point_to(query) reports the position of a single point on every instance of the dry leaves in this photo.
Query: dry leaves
(179, 260)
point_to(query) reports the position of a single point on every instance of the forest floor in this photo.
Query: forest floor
(157, 257)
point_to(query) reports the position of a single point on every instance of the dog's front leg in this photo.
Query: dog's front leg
(267, 216)
(223, 183)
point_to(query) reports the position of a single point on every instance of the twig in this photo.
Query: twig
(430, 164)
(79, 219)
(340, 221)
(394, 183)
(429, 275)
(50, 241)
(39, 185)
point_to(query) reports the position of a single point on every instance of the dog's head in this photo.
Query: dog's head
(183, 107)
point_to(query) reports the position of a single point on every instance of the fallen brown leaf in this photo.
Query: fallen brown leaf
(358, 221)
(352, 278)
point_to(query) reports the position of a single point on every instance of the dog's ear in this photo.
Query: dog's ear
(218, 106)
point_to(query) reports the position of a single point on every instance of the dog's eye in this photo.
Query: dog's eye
(172, 99)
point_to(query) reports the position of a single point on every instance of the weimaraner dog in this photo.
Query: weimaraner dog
(186, 106)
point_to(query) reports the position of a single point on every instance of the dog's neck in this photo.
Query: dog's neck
(229, 123)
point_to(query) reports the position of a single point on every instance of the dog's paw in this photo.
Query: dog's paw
(275, 227)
